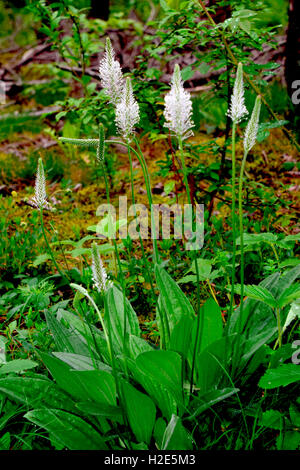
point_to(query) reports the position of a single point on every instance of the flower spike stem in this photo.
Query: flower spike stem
(142, 161)
(279, 327)
(184, 171)
(139, 155)
(233, 221)
(237, 111)
(163, 335)
(121, 276)
(63, 275)
(200, 323)
(240, 196)
(249, 141)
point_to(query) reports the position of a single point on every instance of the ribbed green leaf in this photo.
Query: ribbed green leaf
(161, 395)
(257, 316)
(94, 385)
(137, 346)
(115, 318)
(284, 375)
(173, 301)
(289, 295)
(211, 362)
(61, 373)
(65, 340)
(35, 392)
(181, 336)
(140, 411)
(67, 429)
(100, 409)
(78, 362)
(93, 336)
(209, 399)
(176, 436)
(212, 326)
(257, 293)
(99, 385)
(294, 312)
(272, 419)
(16, 366)
(5, 441)
(165, 367)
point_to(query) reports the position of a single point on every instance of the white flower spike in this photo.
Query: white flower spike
(178, 108)
(127, 112)
(237, 110)
(252, 126)
(99, 274)
(111, 74)
(40, 198)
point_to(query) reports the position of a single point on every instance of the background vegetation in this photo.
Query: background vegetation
(62, 384)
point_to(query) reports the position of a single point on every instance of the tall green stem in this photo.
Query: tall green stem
(63, 275)
(199, 325)
(121, 274)
(279, 327)
(149, 194)
(242, 232)
(233, 221)
(184, 171)
(163, 339)
(146, 175)
(241, 228)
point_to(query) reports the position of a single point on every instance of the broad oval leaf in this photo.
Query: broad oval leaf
(176, 436)
(165, 368)
(35, 392)
(115, 319)
(174, 303)
(141, 412)
(284, 375)
(69, 430)
(17, 365)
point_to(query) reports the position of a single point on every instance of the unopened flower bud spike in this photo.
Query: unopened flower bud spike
(80, 142)
(252, 127)
(101, 145)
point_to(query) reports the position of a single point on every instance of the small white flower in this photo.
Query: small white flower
(127, 112)
(237, 110)
(99, 274)
(252, 126)
(111, 74)
(40, 198)
(178, 108)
